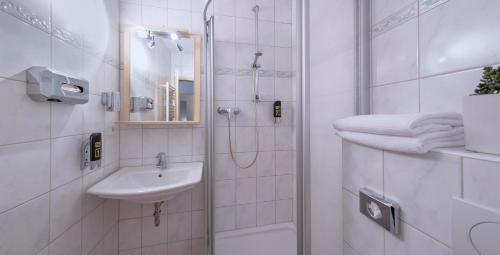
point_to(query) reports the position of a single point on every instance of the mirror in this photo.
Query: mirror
(161, 76)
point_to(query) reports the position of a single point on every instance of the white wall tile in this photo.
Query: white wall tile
(266, 11)
(246, 216)
(154, 141)
(244, 159)
(244, 9)
(69, 242)
(130, 143)
(481, 180)
(224, 193)
(224, 7)
(130, 13)
(460, 40)
(266, 188)
(179, 19)
(179, 4)
(424, 187)
(283, 35)
(283, 11)
(266, 213)
(154, 16)
(284, 138)
(66, 157)
(160, 249)
(129, 237)
(25, 47)
(410, 241)
(34, 216)
(225, 169)
(284, 186)
(396, 98)
(92, 229)
(362, 168)
(225, 218)
(445, 93)
(152, 235)
(284, 162)
(25, 172)
(245, 32)
(181, 247)
(66, 120)
(395, 54)
(129, 210)
(225, 29)
(361, 233)
(197, 224)
(246, 191)
(66, 207)
(383, 8)
(22, 118)
(284, 210)
(224, 87)
(180, 142)
(157, 3)
(266, 33)
(180, 203)
(266, 164)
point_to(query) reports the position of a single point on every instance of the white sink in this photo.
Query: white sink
(148, 184)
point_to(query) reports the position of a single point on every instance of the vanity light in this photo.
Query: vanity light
(174, 36)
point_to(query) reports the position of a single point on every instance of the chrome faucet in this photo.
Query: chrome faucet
(162, 160)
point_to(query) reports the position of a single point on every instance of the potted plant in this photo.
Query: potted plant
(482, 114)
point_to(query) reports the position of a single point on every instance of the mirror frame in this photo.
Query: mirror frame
(125, 76)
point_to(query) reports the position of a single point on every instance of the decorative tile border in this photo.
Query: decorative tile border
(249, 72)
(427, 5)
(67, 37)
(24, 14)
(403, 15)
(407, 13)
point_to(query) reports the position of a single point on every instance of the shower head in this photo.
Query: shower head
(255, 64)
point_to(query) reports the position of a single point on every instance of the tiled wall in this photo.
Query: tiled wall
(264, 193)
(428, 54)
(183, 219)
(43, 205)
(424, 186)
(332, 93)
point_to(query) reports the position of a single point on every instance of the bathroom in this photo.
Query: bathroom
(196, 127)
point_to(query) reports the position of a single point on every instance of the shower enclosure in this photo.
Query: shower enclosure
(254, 156)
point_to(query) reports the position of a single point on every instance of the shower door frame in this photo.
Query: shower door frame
(303, 206)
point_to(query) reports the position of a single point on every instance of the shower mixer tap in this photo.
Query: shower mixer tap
(229, 111)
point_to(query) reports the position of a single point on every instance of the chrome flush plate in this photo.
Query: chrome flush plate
(383, 211)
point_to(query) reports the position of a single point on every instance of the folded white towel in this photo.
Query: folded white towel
(408, 125)
(420, 144)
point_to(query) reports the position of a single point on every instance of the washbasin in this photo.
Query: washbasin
(148, 184)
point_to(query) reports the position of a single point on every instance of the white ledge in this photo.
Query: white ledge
(462, 152)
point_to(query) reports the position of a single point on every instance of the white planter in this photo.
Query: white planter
(482, 123)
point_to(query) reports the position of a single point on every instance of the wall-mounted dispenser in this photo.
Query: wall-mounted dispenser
(111, 101)
(47, 86)
(141, 104)
(92, 152)
(277, 111)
